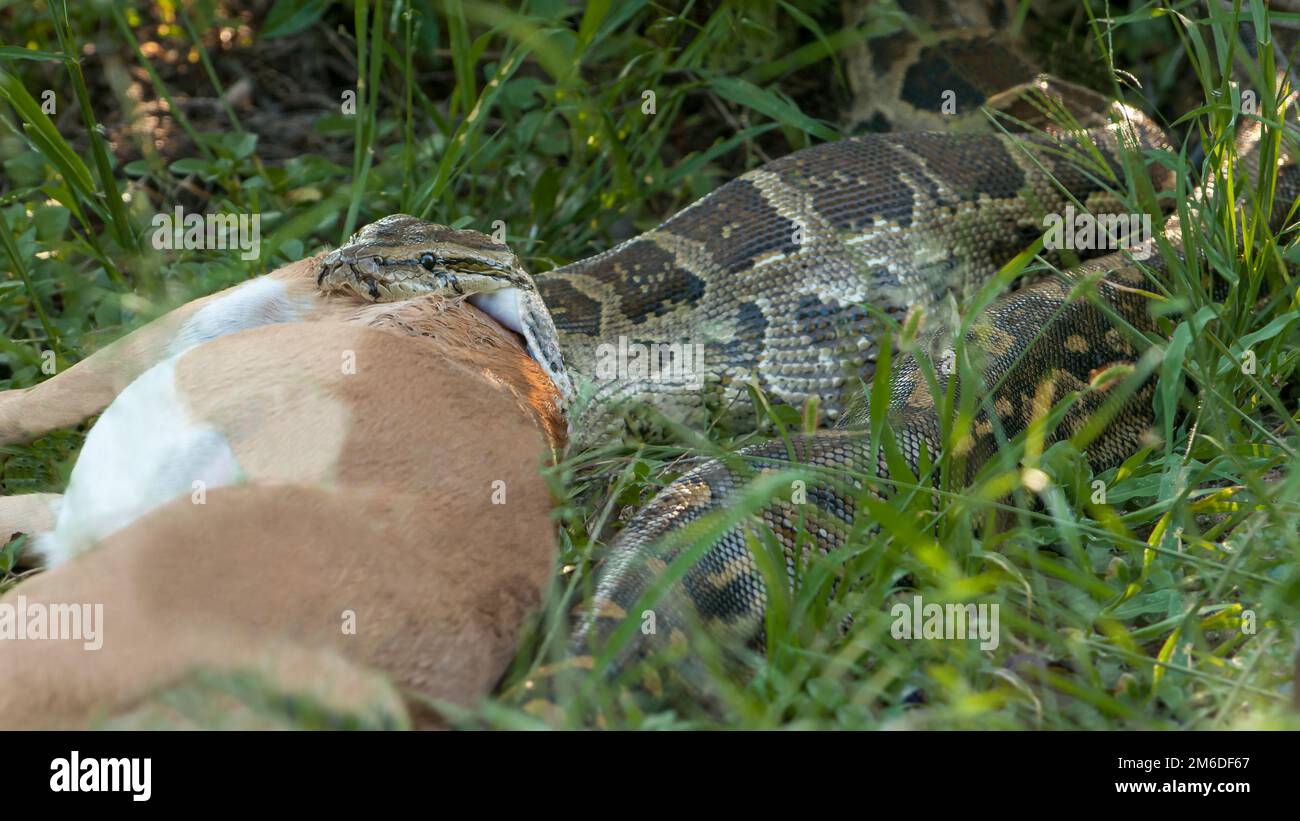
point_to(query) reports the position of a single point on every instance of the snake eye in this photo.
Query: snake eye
(428, 262)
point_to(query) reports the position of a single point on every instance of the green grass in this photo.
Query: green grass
(1122, 614)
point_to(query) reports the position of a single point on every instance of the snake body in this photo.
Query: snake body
(771, 272)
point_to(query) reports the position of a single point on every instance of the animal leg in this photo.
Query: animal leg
(85, 389)
(31, 513)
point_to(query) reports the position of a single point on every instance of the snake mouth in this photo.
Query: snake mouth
(378, 280)
(388, 278)
(347, 279)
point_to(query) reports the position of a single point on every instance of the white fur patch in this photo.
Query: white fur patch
(145, 450)
(262, 301)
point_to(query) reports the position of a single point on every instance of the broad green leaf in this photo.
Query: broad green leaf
(292, 16)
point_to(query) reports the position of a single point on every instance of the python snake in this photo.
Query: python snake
(791, 278)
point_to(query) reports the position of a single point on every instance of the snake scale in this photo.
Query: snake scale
(791, 277)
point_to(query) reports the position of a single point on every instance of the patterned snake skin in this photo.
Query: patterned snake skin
(770, 272)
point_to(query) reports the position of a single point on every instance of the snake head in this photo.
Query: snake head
(401, 257)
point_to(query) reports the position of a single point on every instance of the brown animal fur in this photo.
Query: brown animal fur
(368, 492)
